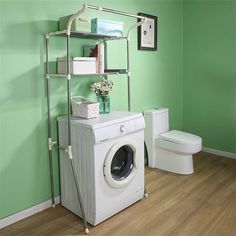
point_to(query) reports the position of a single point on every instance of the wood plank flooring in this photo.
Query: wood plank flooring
(202, 204)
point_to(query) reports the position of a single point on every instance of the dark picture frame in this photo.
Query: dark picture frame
(147, 33)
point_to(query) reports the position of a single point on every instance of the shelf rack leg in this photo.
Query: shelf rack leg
(51, 179)
(79, 195)
(143, 19)
(105, 56)
(69, 136)
(128, 77)
(49, 123)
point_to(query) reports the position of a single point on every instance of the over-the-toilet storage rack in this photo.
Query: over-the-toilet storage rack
(68, 34)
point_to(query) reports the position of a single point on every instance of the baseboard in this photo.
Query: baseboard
(219, 153)
(27, 212)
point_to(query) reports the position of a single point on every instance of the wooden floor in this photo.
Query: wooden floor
(196, 205)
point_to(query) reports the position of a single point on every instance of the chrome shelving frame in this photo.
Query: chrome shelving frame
(71, 34)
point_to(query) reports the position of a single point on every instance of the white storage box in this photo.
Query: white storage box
(84, 108)
(78, 65)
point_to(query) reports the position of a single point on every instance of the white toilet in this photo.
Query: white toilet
(169, 150)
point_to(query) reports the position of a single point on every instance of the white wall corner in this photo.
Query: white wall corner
(219, 153)
(27, 212)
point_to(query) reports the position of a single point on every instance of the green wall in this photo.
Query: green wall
(156, 81)
(193, 73)
(209, 57)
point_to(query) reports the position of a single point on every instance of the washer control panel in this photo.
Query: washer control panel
(119, 129)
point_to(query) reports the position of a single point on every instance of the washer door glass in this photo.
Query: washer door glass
(122, 163)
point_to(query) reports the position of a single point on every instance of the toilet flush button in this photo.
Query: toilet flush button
(122, 128)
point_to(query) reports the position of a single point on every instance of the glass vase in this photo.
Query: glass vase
(104, 104)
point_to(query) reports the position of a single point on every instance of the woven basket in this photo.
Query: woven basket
(82, 107)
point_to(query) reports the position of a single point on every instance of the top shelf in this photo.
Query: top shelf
(77, 34)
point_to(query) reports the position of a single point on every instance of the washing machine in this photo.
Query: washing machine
(108, 153)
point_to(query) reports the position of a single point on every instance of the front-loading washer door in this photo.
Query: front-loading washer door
(120, 164)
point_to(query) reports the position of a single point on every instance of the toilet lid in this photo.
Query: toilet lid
(180, 137)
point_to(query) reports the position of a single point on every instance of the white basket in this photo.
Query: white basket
(82, 107)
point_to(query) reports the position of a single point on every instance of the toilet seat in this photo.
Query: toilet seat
(177, 136)
(179, 141)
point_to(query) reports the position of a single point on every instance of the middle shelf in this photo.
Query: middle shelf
(114, 72)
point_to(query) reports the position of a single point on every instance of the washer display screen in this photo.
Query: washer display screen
(122, 163)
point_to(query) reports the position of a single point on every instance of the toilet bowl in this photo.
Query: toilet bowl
(169, 150)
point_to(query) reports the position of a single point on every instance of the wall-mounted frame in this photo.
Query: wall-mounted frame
(147, 33)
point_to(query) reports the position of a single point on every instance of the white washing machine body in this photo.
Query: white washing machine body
(109, 159)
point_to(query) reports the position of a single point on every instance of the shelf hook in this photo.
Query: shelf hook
(134, 26)
(72, 18)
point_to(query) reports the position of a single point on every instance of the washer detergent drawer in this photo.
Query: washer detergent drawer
(118, 129)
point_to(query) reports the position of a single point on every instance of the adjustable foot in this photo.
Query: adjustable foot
(145, 192)
(53, 205)
(86, 230)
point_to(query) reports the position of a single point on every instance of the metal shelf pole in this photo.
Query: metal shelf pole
(49, 123)
(128, 75)
(105, 56)
(69, 150)
(128, 57)
(68, 89)
(112, 11)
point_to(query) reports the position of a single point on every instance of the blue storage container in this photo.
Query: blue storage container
(107, 27)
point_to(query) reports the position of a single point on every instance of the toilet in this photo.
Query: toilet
(169, 150)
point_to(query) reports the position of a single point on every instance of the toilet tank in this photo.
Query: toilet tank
(156, 122)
